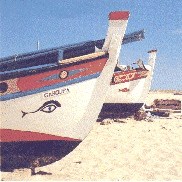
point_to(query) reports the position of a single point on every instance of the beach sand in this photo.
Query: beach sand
(122, 149)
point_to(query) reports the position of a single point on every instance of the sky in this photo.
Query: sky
(61, 22)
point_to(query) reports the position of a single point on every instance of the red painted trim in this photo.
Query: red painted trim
(119, 15)
(127, 76)
(8, 135)
(36, 81)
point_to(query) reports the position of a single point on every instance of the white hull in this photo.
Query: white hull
(137, 89)
(134, 95)
(61, 122)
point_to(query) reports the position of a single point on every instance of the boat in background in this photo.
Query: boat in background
(129, 87)
(46, 97)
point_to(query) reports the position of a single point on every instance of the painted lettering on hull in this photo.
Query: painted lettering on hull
(56, 92)
(122, 77)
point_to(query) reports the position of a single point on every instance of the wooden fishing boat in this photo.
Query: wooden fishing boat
(48, 97)
(130, 87)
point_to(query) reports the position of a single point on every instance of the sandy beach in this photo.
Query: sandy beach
(121, 149)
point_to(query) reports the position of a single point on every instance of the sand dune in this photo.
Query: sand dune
(125, 149)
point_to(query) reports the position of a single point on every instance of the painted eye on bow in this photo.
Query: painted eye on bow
(49, 108)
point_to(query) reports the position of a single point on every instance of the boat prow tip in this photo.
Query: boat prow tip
(119, 15)
(152, 58)
(117, 25)
(153, 50)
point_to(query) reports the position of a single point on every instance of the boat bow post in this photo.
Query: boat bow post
(152, 58)
(150, 67)
(117, 25)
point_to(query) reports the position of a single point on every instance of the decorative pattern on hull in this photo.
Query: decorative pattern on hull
(36, 83)
(127, 76)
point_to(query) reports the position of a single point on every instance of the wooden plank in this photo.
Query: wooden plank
(81, 58)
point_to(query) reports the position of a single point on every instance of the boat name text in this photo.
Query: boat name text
(56, 92)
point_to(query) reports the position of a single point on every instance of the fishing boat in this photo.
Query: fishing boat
(73, 50)
(129, 87)
(48, 97)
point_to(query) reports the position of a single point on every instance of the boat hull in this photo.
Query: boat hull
(128, 87)
(56, 111)
(127, 93)
(41, 128)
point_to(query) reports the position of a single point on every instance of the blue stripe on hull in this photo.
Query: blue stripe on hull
(62, 84)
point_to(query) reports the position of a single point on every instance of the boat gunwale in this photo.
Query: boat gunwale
(32, 71)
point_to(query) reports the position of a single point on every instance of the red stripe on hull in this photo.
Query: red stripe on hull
(37, 81)
(8, 135)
